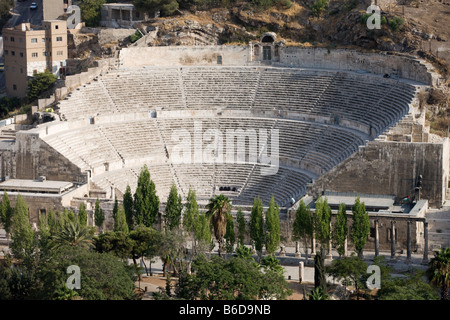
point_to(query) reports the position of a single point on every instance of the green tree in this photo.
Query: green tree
(82, 215)
(99, 215)
(120, 223)
(52, 221)
(103, 276)
(6, 213)
(146, 202)
(272, 226)
(322, 232)
(257, 225)
(340, 230)
(241, 226)
(438, 271)
(166, 7)
(40, 83)
(91, 12)
(147, 242)
(411, 287)
(115, 209)
(128, 207)
(230, 237)
(350, 270)
(232, 279)
(303, 225)
(218, 208)
(173, 209)
(117, 243)
(360, 228)
(23, 240)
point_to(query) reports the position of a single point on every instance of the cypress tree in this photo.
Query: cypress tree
(82, 215)
(272, 236)
(241, 226)
(22, 234)
(99, 215)
(360, 228)
(230, 237)
(128, 207)
(257, 225)
(120, 222)
(303, 225)
(340, 230)
(173, 209)
(146, 202)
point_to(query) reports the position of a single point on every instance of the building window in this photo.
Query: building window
(34, 54)
(43, 39)
(21, 70)
(20, 40)
(6, 52)
(14, 87)
(21, 54)
(58, 38)
(59, 53)
(11, 39)
(56, 27)
(33, 40)
(13, 53)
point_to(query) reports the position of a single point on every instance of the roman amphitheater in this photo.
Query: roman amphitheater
(346, 123)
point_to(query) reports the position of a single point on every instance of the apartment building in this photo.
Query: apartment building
(30, 50)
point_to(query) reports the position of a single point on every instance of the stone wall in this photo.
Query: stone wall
(342, 59)
(34, 158)
(184, 56)
(339, 59)
(385, 167)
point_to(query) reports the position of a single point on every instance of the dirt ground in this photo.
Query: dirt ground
(152, 284)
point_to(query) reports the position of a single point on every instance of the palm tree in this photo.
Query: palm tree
(218, 207)
(439, 271)
(72, 233)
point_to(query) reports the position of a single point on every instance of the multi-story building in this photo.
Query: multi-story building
(28, 51)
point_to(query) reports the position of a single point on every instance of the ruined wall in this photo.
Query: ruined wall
(184, 56)
(391, 168)
(342, 59)
(322, 58)
(36, 158)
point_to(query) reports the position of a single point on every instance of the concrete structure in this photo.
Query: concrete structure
(42, 195)
(115, 15)
(28, 51)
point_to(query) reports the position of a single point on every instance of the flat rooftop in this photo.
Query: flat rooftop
(39, 186)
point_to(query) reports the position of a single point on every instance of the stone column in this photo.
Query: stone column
(330, 247)
(282, 250)
(345, 247)
(313, 246)
(393, 239)
(297, 249)
(301, 271)
(408, 241)
(377, 240)
(425, 245)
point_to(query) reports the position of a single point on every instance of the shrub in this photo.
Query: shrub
(396, 23)
(318, 7)
(136, 36)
